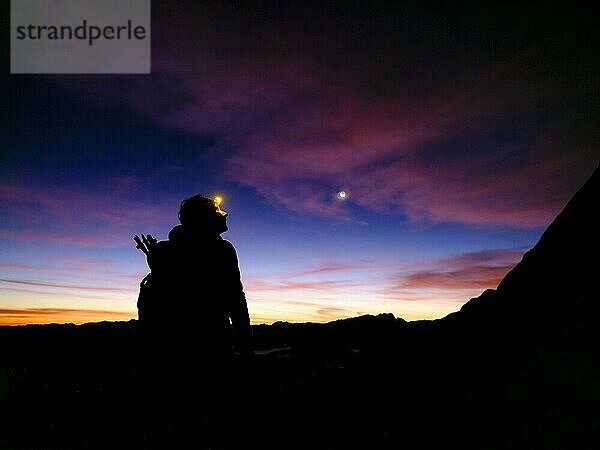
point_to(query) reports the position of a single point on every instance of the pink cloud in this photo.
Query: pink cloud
(70, 215)
(254, 284)
(480, 270)
(472, 278)
(58, 294)
(326, 269)
(467, 144)
(397, 172)
(53, 311)
(66, 286)
(527, 197)
(75, 270)
(81, 238)
(310, 279)
(490, 258)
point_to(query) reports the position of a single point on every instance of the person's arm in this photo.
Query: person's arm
(237, 305)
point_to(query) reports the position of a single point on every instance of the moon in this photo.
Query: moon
(342, 195)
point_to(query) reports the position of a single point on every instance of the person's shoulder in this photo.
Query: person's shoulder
(160, 255)
(227, 246)
(177, 233)
(228, 249)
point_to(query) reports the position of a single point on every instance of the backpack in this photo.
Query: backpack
(151, 294)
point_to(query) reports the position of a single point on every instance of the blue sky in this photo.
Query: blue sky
(458, 134)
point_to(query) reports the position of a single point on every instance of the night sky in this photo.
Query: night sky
(457, 132)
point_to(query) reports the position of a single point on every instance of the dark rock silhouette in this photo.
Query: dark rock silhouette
(558, 275)
(516, 368)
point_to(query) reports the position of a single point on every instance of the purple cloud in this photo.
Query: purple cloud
(70, 215)
(479, 270)
(435, 131)
(66, 286)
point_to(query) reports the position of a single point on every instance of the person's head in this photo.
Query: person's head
(203, 213)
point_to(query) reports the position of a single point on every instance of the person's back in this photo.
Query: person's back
(209, 301)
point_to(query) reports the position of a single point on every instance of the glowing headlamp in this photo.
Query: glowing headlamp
(218, 200)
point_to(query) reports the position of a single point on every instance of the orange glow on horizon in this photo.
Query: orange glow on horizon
(291, 313)
(45, 316)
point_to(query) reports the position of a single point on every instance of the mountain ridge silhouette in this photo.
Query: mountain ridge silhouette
(555, 267)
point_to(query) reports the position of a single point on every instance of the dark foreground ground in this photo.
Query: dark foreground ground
(369, 382)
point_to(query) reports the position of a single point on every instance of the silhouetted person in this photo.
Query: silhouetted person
(208, 283)
(196, 290)
(194, 313)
